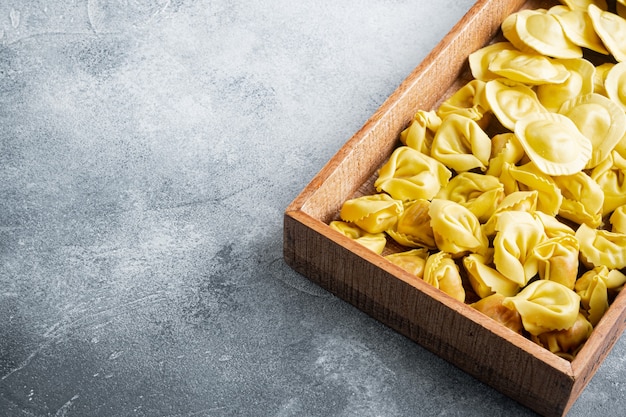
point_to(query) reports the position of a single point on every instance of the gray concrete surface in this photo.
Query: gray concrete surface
(148, 151)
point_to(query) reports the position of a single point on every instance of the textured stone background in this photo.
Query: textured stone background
(148, 151)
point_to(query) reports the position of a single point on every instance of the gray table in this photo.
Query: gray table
(148, 151)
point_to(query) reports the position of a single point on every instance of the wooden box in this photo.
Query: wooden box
(505, 360)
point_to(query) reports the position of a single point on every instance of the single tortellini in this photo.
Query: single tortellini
(510, 101)
(578, 27)
(595, 287)
(421, 131)
(554, 143)
(486, 280)
(375, 242)
(372, 213)
(610, 174)
(413, 261)
(413, 228)
(411, 175)
(456, 229)
(583, 199)
(593, 294)
(614, 83)
(611, 28)
(505, 148)
(600, 247)
(538, 31)
(461, 144)
(480, 59)
(545, 306)
(553, 226)
(618, 220)
(442, 272)
(566, 343)
(557, 259)
(579, 82)
(516, 201)
(468, 101)
(480, 193)
(600, 120)
(517, 234)
(492, 307)
(529, 177)
(528, 68)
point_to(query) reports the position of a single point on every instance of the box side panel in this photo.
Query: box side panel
(425, 319)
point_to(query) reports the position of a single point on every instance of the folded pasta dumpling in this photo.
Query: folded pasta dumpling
(505, 148)
(610, 174)
(480, 193)
(375, 242)
(461, 144)
(566, 343)
(611, 28)
(510, 101)
(578, 27)
(538, 31)
(517, 234)
(492, 307)
(618, 220)
(583, 199)
(486, 280)
(480, 59)
(554, 143)
(529, 178)
(614, 84)
(580, 82)
(601, 247)
(468, 101)
(516, 201)
(596, 287)
(545, 306)
(372, 213)
(442, 272)
(413, 261)
(594, 296)
(413, 228)
(553, 226)
(528, 68)
(456, 229)
(599, 77)
(600, 120)
(411, 175)
(421, 131)
(557, 259)
(582, 5)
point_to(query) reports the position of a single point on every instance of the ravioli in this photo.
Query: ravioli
(539, 31)
(611, 28)
(554, 143)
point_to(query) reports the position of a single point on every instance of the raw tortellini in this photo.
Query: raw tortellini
(511, 194)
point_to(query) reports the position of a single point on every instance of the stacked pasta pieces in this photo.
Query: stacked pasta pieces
(511, 195)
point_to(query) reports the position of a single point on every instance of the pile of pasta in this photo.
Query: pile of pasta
(511, 195)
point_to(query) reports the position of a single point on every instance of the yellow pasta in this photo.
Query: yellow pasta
(372, 213)
(442, 272)
(513, 190)
(373, 241)
(411, 175)
(545, 306)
